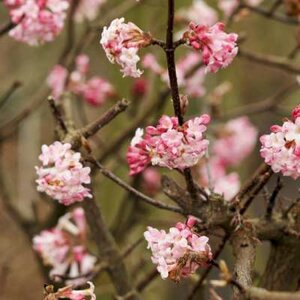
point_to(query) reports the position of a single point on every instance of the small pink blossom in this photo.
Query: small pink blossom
(236, 141)
(168, 144)
(62, 175)
(37, 22)
(218, 48)
(151, 181)
(281, 148)
(179, 252)
(199, 10)
(63, 248)
(121, 42)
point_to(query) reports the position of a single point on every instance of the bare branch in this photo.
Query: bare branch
(103, 120)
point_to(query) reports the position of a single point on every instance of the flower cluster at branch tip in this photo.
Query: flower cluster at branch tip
(63, 248)
(68, 292)
(218, 48)
(62, 175)
(179, 252)
(235, 141)
(94, 91)
(281, 148)
(121, 42)
(229, 6)
(36, 22)
(88, 10)
(199, 10)
(168, 144)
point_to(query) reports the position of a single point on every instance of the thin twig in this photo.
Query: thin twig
(135, 192)
(103, 120)
(57, 114)
(273, 197)
(4, 98)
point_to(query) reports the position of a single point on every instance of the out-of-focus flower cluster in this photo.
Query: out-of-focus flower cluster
(229, 6)
(198, 11)
(235, 141)
(63, 248)
(281, 148)
(68, 292)
(168, 144)
(121, 42)
(62, 175)
(218, 48)
(192, 83)
(88, 10)
(94, 91)
(179, 252)
(36, 22)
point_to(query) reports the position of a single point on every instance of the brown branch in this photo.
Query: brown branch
(272, 199)
(147, 280)
(4, 98)
(57, 114)
(133, 191)
(4, 28)
(108, 250)
(103, 120)
(270, 60)
(256, 293)
(270, 15)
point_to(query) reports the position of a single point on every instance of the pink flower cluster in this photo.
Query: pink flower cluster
(236, 140)
(218, 48)
(168, 144)
(62, 175)
(223, 183)
(68, 292)
(179, 252)
(88, 10)
(121, 42)
(229, 6)
(281, 148)
(199, 10)
(94, 91)
(63, 249)
(36, 22)
(193, 85)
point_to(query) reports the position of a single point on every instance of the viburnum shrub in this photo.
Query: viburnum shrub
(177, 138)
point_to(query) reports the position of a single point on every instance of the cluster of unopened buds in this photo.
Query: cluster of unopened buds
(218, 48)
(121, 43)
(94, 91)
(36, 22)
(235, 140)
(281, 148)
(62, 176)
(168, 144)
(63, 249)
(68, 292)
(179, 252)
